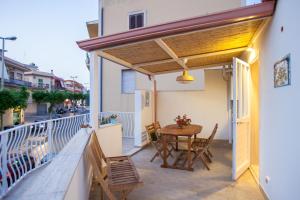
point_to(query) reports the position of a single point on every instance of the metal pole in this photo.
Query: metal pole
(2, 69)
(4, 185)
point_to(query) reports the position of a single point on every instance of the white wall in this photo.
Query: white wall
(205, 107)
(80, 185)
(279, 125)
(143, 116)
(110, 139)
(158, 11)
(166, 82)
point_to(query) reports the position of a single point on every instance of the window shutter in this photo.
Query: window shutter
(136, 20)
(128, 81)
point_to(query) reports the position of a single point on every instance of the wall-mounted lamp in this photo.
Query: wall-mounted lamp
(252, 55)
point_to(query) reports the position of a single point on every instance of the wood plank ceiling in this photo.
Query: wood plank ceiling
(200, 49)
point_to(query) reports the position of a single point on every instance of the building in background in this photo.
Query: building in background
(14, 79)
(74, 86)
(40, 80)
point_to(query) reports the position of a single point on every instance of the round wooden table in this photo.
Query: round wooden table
(173, 130)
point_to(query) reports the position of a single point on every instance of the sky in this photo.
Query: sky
(47, 32)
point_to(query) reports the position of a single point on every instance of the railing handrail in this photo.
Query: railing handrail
(39, 122)
(116, 112)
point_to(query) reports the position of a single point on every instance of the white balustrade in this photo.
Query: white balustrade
(124, 118)
(30, 146)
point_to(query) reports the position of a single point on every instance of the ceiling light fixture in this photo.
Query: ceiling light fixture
(185, 78)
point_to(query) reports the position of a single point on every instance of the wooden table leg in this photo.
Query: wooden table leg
(164, 143)
(189, 153)
(176, 143)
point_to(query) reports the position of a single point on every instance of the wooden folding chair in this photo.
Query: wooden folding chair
(120, 174)
(157, 125)
(155, 140)
(201, 147)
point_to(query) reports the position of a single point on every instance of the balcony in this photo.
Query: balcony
(40, 86)
(16, 83)
(52, 157)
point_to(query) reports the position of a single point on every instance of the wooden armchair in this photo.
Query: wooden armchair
(155, 140)
(201, 147)
(120, 174)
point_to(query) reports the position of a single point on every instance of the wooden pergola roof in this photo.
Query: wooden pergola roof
(210, 40)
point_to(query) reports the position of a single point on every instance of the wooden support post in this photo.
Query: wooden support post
(155, 100)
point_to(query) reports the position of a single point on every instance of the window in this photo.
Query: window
(128, 81)
(136, 20)
(19, 76)
(11, 75)
(40, 83)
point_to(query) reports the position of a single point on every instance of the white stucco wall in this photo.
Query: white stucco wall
(205, 107)
(110, 139)
(279, 125)
(144, 115)
(80, 185)
(159, 11)
(167, 82)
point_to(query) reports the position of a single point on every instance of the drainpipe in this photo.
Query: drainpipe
(100, 33)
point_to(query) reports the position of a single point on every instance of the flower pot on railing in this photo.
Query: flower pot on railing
(113, 120)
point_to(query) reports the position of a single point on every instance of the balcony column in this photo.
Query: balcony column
(94, 90)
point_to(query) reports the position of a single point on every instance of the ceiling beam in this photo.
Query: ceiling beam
(170, 52)
(216, 53)
(135, 66)
(194, 68)
(121, 62)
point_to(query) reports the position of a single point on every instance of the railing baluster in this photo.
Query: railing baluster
(26, 147)
(49, 135)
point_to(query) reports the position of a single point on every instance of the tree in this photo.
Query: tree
(10, 99)
(54, 98)
(6, 102)
(39, 96)
(74, 97)
(20, 98)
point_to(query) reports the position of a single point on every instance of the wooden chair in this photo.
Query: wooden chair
(201, 147)
(155, 140)
(157, 125)
(120, 174)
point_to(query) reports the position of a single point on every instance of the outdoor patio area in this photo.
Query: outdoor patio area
(160, 183)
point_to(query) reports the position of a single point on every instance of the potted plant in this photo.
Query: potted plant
(113, 118)
(182, 121)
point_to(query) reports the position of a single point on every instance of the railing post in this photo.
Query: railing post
(4, 139)
(85, 119)
(50, 136)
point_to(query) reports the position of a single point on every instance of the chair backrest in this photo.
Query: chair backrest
(96, 157)
(97, 152)
(157, 125)
(211, 137)
(151, 131)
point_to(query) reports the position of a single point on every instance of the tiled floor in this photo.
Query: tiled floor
(128, 147)
(171, 184)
